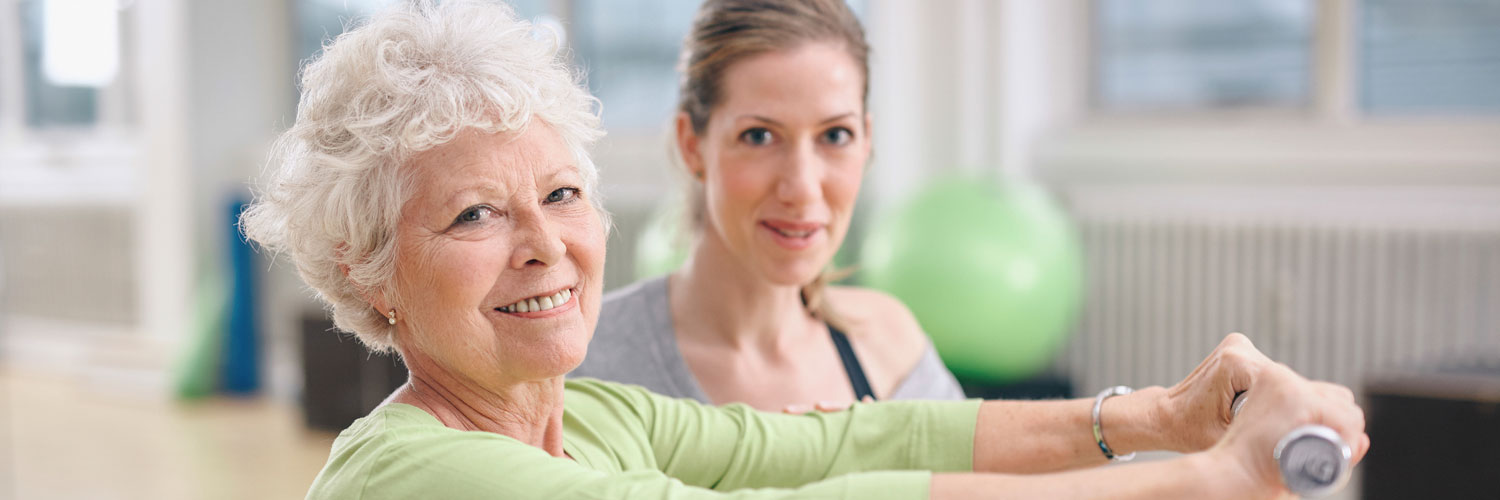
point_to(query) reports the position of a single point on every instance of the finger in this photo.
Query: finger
(796, 409)
(1343, 407)
(1279, 378)
(1229, 343)
(1242, 371)
(1243, 361)
(867, 399)
(1241, 345)
(1361, 448)
(1334, 392)
(1246, 375)
(1349, 421)
(830, 406)
(1285, 371)
(1343, 393)
(1215, 357)
(1236, 339)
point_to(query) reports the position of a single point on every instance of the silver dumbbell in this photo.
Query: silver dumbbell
(1313, 459)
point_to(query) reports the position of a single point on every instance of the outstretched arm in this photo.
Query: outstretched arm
(1049, 436)
(1189, 476)
(1238, 465)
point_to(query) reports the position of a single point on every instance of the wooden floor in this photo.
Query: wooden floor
(64, 438)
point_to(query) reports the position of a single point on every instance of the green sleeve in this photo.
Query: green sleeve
(734, 446)
(463, 472)
(468, 465)
(655, 447)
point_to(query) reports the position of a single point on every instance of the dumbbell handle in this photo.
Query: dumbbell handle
(1313, 459)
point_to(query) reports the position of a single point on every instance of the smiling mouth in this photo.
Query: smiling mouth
(540, 302)
(790, 233)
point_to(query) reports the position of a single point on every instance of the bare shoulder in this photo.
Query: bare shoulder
(875, 312)
(882, 330)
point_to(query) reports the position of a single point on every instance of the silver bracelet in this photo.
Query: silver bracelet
(1118, 390)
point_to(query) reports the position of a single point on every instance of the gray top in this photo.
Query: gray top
(635, 343)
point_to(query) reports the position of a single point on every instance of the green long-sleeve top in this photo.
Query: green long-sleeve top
(626, 442)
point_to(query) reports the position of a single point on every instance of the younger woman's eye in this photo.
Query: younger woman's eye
(757, 136)
(474, 214)
(838, 136)
(563, 195)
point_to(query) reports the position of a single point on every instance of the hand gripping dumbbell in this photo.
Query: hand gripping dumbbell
(1313, 459)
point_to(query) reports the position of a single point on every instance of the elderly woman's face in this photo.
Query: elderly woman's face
(500, 257)
(784, 155)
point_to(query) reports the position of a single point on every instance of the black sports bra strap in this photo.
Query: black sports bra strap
(851, 365)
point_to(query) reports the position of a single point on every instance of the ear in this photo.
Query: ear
(374, 299)
(687, 146)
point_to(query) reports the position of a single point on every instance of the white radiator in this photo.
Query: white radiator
(1339, 283)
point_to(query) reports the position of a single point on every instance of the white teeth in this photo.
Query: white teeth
(793, 234)
(540, 303)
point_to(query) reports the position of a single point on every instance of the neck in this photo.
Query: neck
(717, 298)
(530, 411)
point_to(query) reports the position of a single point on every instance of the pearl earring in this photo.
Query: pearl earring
(391, 318)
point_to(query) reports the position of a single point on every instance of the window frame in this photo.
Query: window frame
(1330, 141)
(1095, 102)
(94, 163)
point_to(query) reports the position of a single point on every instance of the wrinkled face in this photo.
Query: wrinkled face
(500, 260)
(782, 158)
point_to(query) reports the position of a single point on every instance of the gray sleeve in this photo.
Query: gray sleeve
(930, 379)
(634, 343)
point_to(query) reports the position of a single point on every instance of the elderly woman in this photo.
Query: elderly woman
(436, 192)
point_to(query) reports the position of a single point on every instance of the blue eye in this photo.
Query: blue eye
(474, 214)
(757, 136)
(562, 195)
(838, 136)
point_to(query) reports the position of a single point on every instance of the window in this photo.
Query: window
(320, 21)
(70, 54)
(630, 48)
(1403, 57)
(1196, 54)
(1429, 56)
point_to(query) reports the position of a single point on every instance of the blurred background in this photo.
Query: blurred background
(1322, 175)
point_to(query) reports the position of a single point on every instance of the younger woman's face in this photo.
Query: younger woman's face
(781, 159)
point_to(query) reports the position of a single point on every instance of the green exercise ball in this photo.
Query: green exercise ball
(992, 271)
(663, 243)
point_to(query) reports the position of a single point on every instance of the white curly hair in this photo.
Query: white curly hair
(406, 80)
